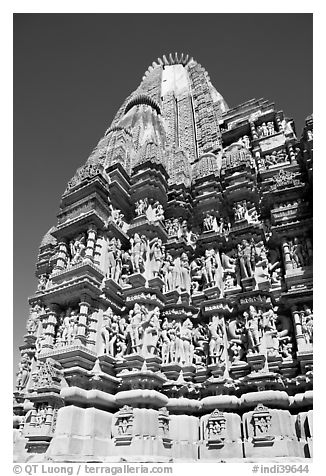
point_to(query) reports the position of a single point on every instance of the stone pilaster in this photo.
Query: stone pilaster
(49, 415)
(91, 239)
(291, 153)
(298, 328)
(51, 322)
(253, 131)
(92, 329)
(256, 153)
(286, 255)
(62, 256)
(98, 250)
(279, 123)
(84, 306)
(33, 418)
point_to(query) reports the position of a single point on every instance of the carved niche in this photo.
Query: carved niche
(124, 424)
(216, 428)
(206, 165)
(49, 375)
(236, 155)
(164, 426)
(262, 424)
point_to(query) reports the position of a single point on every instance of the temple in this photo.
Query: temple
(173, 318)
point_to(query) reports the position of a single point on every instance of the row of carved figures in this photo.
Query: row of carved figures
(252, 332)
(215, 428)
(212, 268)
(144, 332)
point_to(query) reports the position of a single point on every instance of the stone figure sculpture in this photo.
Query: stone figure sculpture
(69, 327)
(136, 318)
(113, 256)
(174, 316)
(167, 271)
(138, 252)
(307, 324)
(197, 275)
(117, 217)
(253, 330)
(34, 319)
(216, 344)
(270, 333)
(187, 354)
(181, 274)
(141, 207)
(158, 211)
(77, 249)
(166, 342)
(245, 141)
(298, 253)
(23, 373)
(42, 283)
(150, 332)
(156, 254)
(240, 209)
(245, 263)
(270, 128)
(210, 223)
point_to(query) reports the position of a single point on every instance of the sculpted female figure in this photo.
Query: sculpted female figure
(105, 330)
(167, 270)
(136, 252)
(216, 340)
(77, 249)
(165, 350)
(173, 345)
(270, 332)
(187, 345)
(150, 331)
(252, 327)
(114, 333)
(23, 373)
(177, 280)
(135, 323)
(112, 248)
(156, 257)
(196, 274)
(33, 320)
(185, 273)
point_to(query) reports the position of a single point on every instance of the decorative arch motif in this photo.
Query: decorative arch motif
(150, 151)
(143, 99)
(206, 165)
(234, 155)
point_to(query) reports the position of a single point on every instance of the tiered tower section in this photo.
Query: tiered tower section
(173, 316)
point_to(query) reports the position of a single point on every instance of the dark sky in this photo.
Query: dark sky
(72, 72)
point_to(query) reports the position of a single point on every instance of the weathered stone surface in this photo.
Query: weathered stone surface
(173, 317)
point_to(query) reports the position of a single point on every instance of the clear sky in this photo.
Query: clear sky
(73, 71)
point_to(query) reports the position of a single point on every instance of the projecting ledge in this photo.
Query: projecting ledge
(183, 405)
(142, 398)
(221, 402)
(96, 398)
(271, 398)
(301, 400)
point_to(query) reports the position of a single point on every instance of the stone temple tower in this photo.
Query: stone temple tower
(173, 316)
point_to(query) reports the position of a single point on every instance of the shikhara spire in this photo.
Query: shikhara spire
(173, 316)
(175, 107)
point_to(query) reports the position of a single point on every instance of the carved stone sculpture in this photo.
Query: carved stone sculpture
(216, 344)
(42, 283)
(253, 329)
(141, 207)
(77, 249)
(23, 373)
(307, 325)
